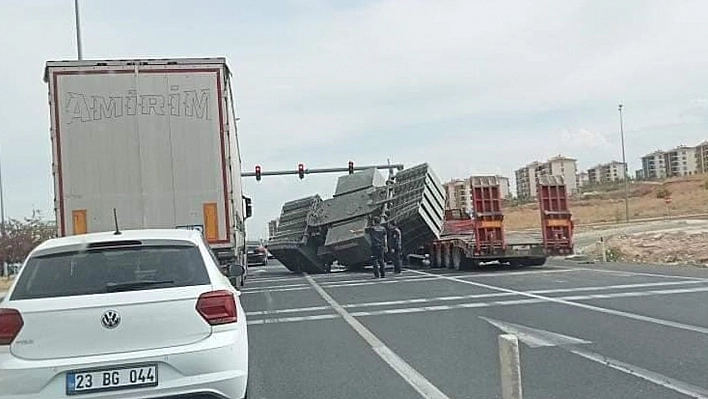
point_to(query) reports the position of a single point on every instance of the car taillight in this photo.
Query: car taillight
(10, 325)
(217, 307)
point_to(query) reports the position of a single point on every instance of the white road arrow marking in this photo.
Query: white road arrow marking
(536, 338)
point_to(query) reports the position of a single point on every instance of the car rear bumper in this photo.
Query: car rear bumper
(257, 258)
(216, 367)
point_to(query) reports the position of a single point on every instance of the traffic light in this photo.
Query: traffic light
(351, 167)
(258, 172)
(301, 170)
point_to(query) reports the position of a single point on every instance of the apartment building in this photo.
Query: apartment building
(680, 161)
(702, 157)
(653, 166)
(526, 177)
(272, 227)
(459, 194)
(582, 179)
(607, 173)
(526, 180)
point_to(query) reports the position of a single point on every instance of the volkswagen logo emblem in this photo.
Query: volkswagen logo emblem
(110, 319)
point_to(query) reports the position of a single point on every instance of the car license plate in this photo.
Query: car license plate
(78, 382)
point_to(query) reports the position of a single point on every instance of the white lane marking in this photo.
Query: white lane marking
(424, 300)
(507, 294)
(369, 277)
(535, 338)
(293, 310)
(503, 273)
(503, 294)
(276, 290)
(388, 281)
(634, 316)
(656, 378)
(529, 301)
(268, 287)
(628, 274)
(512, 302)
(416, 380)
(274, 279)
(292, 319)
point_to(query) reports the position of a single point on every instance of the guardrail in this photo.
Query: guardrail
(623, 223)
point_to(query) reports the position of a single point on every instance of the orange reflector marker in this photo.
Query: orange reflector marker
(211, 222)
(78, 221)
(485, 224)
(557, 222)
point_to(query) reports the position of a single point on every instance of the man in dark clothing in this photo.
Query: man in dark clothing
(395, 246)
(379, 244)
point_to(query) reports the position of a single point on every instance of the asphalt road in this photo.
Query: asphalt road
(586, 331)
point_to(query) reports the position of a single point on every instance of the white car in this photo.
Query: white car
(136, 314)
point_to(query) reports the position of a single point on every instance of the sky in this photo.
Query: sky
(470, 87)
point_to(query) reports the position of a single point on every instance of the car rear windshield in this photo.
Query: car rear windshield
(107, 270)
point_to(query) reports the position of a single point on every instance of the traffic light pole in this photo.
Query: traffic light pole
(398, 167)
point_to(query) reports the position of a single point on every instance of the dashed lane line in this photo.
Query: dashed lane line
(473, 296)
(437, 308)
(292, 319)
(628, 273)
(258, 291)
(634, 316)
(248, 289)
(293, 310)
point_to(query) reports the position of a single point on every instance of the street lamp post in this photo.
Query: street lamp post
(78, 31)
(2, 206)
(3, 263)
(626, 171)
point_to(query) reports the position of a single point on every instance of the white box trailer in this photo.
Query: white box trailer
(154, 139)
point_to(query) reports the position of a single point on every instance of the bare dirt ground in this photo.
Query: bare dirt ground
(680, 242)
(4, 284)
(689, 196)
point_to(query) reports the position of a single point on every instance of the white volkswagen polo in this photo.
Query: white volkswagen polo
(136, 314)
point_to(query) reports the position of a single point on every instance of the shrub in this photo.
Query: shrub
(663, 193)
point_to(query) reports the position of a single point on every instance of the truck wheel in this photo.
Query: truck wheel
(437, 257)
(470, 263)
(538, 262)
(457, 258)
(447, 262)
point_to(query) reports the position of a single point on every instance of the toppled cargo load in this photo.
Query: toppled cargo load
(293, 244)
(418, 207)
(314, 233)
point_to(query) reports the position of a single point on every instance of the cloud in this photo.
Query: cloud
(583, 139)
(469, 87)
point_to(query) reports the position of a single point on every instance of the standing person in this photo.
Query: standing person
(395, 246)
(377, 236)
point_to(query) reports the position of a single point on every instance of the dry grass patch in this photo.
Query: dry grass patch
(688, 196)
(4, 283)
